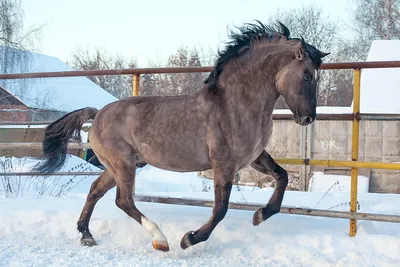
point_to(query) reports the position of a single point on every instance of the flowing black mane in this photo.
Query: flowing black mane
(242, 41)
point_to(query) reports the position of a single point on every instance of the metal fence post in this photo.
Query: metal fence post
(354, 149)
(303, 154)
(136, 79)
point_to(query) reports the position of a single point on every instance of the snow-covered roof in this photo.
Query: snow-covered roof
(7, 94)
(64, 94)
(380, 88)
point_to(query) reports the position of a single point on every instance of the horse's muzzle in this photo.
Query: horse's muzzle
(305, 120)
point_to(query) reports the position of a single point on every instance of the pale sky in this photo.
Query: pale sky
(150, 29)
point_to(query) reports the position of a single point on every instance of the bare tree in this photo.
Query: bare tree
(374, 20)
(181, 83)
(119, 86)
(12, 39)
(15, 47)
(310, 22)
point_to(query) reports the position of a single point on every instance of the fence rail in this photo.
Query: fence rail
(38, 146)
(35, 174)
(284, 209)
(355, 117)
(138, 71)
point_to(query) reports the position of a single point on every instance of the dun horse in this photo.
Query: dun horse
(223, 126)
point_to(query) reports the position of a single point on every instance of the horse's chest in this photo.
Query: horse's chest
(266, 132)
(256, 142)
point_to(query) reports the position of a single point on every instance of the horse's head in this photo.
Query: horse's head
(297, 80)
(261, 58)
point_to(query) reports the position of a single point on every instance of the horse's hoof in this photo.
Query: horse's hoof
(263, 214)
(88, 241)
(160, 245)
(258, 217)
(187, 240)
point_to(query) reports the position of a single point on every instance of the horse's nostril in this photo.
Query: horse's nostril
(306, 120)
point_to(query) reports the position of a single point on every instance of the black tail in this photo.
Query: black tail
(57, 135)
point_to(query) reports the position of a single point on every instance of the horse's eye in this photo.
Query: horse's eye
(307, 78)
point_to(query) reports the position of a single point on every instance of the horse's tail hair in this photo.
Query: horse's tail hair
(57, 135)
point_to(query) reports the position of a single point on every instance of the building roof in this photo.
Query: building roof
(7, 98)
(64, 94)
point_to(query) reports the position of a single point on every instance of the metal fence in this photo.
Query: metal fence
(354, 164)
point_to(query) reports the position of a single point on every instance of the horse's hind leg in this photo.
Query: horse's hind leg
(125, 177)
(99, 187)
(265, 164)
(222, 191)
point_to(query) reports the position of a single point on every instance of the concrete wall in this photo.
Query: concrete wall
(285, 141)
(379, 141)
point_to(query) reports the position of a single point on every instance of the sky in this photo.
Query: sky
(150, 30)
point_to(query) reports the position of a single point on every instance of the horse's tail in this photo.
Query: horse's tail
(57, 135)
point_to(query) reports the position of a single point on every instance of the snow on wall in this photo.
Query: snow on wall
(65, 94)
(380, 88)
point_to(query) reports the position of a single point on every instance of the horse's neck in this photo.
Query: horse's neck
(250, 88)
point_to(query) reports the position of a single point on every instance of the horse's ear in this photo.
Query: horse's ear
(322, 54)
(299, 53)
(283, 30)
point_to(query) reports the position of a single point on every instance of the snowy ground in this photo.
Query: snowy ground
(40, 229)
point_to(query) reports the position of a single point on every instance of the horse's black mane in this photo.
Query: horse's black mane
(242, 41)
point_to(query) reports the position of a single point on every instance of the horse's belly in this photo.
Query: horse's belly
(176, 158)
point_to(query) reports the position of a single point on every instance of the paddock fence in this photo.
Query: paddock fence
(355, 117)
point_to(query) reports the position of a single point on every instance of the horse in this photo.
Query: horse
(225, 126)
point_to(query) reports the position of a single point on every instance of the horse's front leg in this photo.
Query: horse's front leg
(265, 164)
(222, 191)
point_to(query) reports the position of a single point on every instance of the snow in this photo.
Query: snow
(65, 93)
(320, 110)
(41, 230)
(321, 182)
(84, 134)
(380, 87)
(24, 126)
